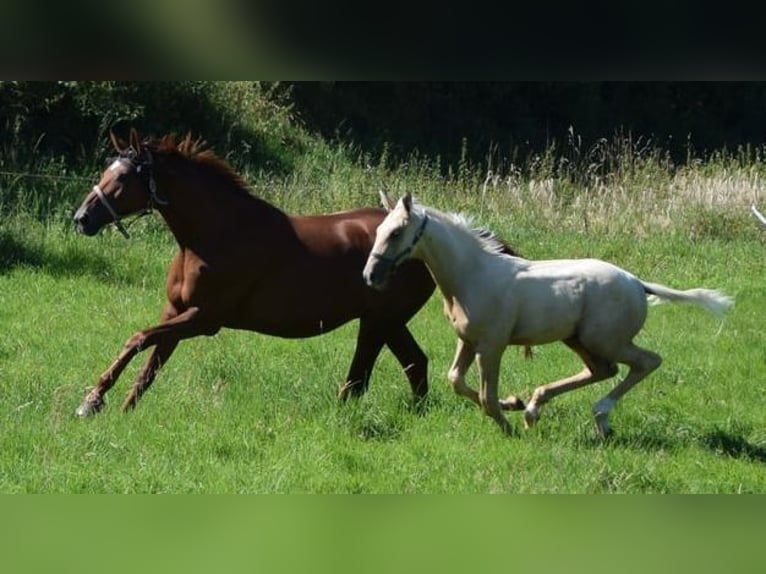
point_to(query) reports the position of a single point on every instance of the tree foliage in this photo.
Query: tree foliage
(266, 124)
(522, 117)
(71, 120)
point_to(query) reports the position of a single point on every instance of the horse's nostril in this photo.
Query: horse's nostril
(81, 215)
(81, 220)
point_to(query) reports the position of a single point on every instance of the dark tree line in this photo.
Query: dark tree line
(447, 119)
(435, 117)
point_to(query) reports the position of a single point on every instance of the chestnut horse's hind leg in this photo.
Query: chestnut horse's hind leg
(368, 346)
(370, 340)
(166, 334)
(412, 359)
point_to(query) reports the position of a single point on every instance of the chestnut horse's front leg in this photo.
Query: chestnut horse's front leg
(165, 336)
(160, 355)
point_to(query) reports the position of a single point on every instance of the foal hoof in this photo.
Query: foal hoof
(531, 414)
(512, 403)
(90, 407)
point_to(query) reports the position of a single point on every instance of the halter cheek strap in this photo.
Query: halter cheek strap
(404, 254)
(154, 198)
(105, 202)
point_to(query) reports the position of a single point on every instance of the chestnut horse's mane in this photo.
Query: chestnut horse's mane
(198, 152)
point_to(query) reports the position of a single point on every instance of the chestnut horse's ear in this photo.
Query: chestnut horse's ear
(407, 201)
(135, 143)
(387, 202)
(118, 143)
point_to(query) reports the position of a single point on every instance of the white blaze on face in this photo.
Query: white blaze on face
(387, 226)
(118, 167)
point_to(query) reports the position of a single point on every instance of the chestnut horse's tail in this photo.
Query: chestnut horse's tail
(714, 301)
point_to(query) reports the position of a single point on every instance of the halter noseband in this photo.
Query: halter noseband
(131, 155)
(105, 202)
(394, 261)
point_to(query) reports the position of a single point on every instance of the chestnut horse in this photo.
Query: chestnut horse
(244, 264)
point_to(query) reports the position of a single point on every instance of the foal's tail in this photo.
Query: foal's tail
(714, 301)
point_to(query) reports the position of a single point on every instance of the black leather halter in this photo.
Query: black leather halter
(404, 254)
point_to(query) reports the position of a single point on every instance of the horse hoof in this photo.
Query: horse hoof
(531, 414)
(602, 427)
(90, 407)
(351, 389)
(601, 412)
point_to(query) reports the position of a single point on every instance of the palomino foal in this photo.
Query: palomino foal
(494, 300)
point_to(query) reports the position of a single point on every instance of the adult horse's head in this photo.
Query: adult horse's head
(126, 187)
(395, 239)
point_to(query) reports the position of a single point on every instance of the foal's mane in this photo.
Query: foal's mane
(197, 152)
(486, 238)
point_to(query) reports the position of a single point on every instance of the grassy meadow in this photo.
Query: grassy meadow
(245, 413)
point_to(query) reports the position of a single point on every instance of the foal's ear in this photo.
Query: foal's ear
(118, 143)
(407, 201)
(387, 202)
(135, 143)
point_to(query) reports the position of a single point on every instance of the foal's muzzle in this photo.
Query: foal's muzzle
(377, 271)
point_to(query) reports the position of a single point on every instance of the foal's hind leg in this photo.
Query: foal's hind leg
(596, 369)
(641, 363)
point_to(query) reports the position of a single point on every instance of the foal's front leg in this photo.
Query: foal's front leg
(488, 361)
(166, 334)
(464, 356)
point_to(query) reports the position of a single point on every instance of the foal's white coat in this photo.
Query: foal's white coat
(494, 300)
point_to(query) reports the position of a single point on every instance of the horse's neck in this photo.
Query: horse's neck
(451, 258)
(198, 210)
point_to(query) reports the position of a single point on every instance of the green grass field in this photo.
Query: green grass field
(243, 412)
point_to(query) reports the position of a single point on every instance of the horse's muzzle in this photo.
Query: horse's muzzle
(84, 222)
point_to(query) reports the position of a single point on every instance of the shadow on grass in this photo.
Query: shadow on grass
(15, 253)
(735, 446)
(718, 441)
(640, 441)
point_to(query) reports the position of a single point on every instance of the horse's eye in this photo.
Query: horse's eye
(396, 233)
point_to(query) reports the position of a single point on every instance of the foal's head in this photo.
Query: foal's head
(126, 187)
(395, 238)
